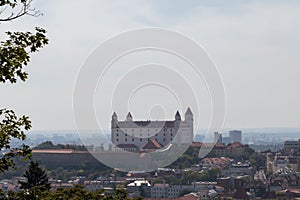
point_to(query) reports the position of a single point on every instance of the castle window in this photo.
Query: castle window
(171, 134)
(164, 129)
(164, 134)
(171, 139)
(155, 134)
(117, 130)
(117, 140)
(132, 139)
(117, 134)
(170, 129)
(156, 139)
(125, 134)
(164, 139)
(141, 139)
(125, 139)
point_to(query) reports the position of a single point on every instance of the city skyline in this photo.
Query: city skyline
(149, 99)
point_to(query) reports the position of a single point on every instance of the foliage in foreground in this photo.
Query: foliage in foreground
(74, 193)
(15, 52)
(37, 187)
(36, 177)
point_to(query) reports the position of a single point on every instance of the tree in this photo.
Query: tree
(45, 145)
(17, 8)
(75, 193)
(36, 176)
(120, 195)
(12, 127)
(15, 54)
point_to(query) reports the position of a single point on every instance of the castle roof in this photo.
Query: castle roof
(188, 111)
(152, 144)
(136, 124)
(177, 116)
(129, 115)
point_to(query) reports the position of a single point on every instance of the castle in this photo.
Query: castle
(148, 135)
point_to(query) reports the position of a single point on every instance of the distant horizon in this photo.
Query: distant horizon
(259, 136)
(201, 129)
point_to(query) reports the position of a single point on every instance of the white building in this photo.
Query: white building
(147, 135)
(171, 191)
(235, 170)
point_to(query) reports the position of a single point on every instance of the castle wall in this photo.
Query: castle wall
(140, 132)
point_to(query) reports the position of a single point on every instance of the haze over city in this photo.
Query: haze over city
(149, 100)
(254, 44)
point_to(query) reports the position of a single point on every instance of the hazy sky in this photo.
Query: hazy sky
(255, 45)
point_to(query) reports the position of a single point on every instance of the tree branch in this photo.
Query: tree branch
(24, 10)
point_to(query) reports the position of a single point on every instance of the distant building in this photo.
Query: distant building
(215, 162)
(236, 149)
(217, 137)
(292, 145)
(172, 191)
(277, 162)
(231, 183)
(226, 140)
(232, 150)
(283, 178)
(219, 150)
(236, 136)
(151, 135)
(140, 187)
(239, 169)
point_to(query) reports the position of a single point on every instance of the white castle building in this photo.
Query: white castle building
(149, 135)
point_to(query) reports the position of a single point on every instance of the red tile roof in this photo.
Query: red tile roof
(235, 145)
(196, 144)
(52, 151)
(219, 146)
(218, 161)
